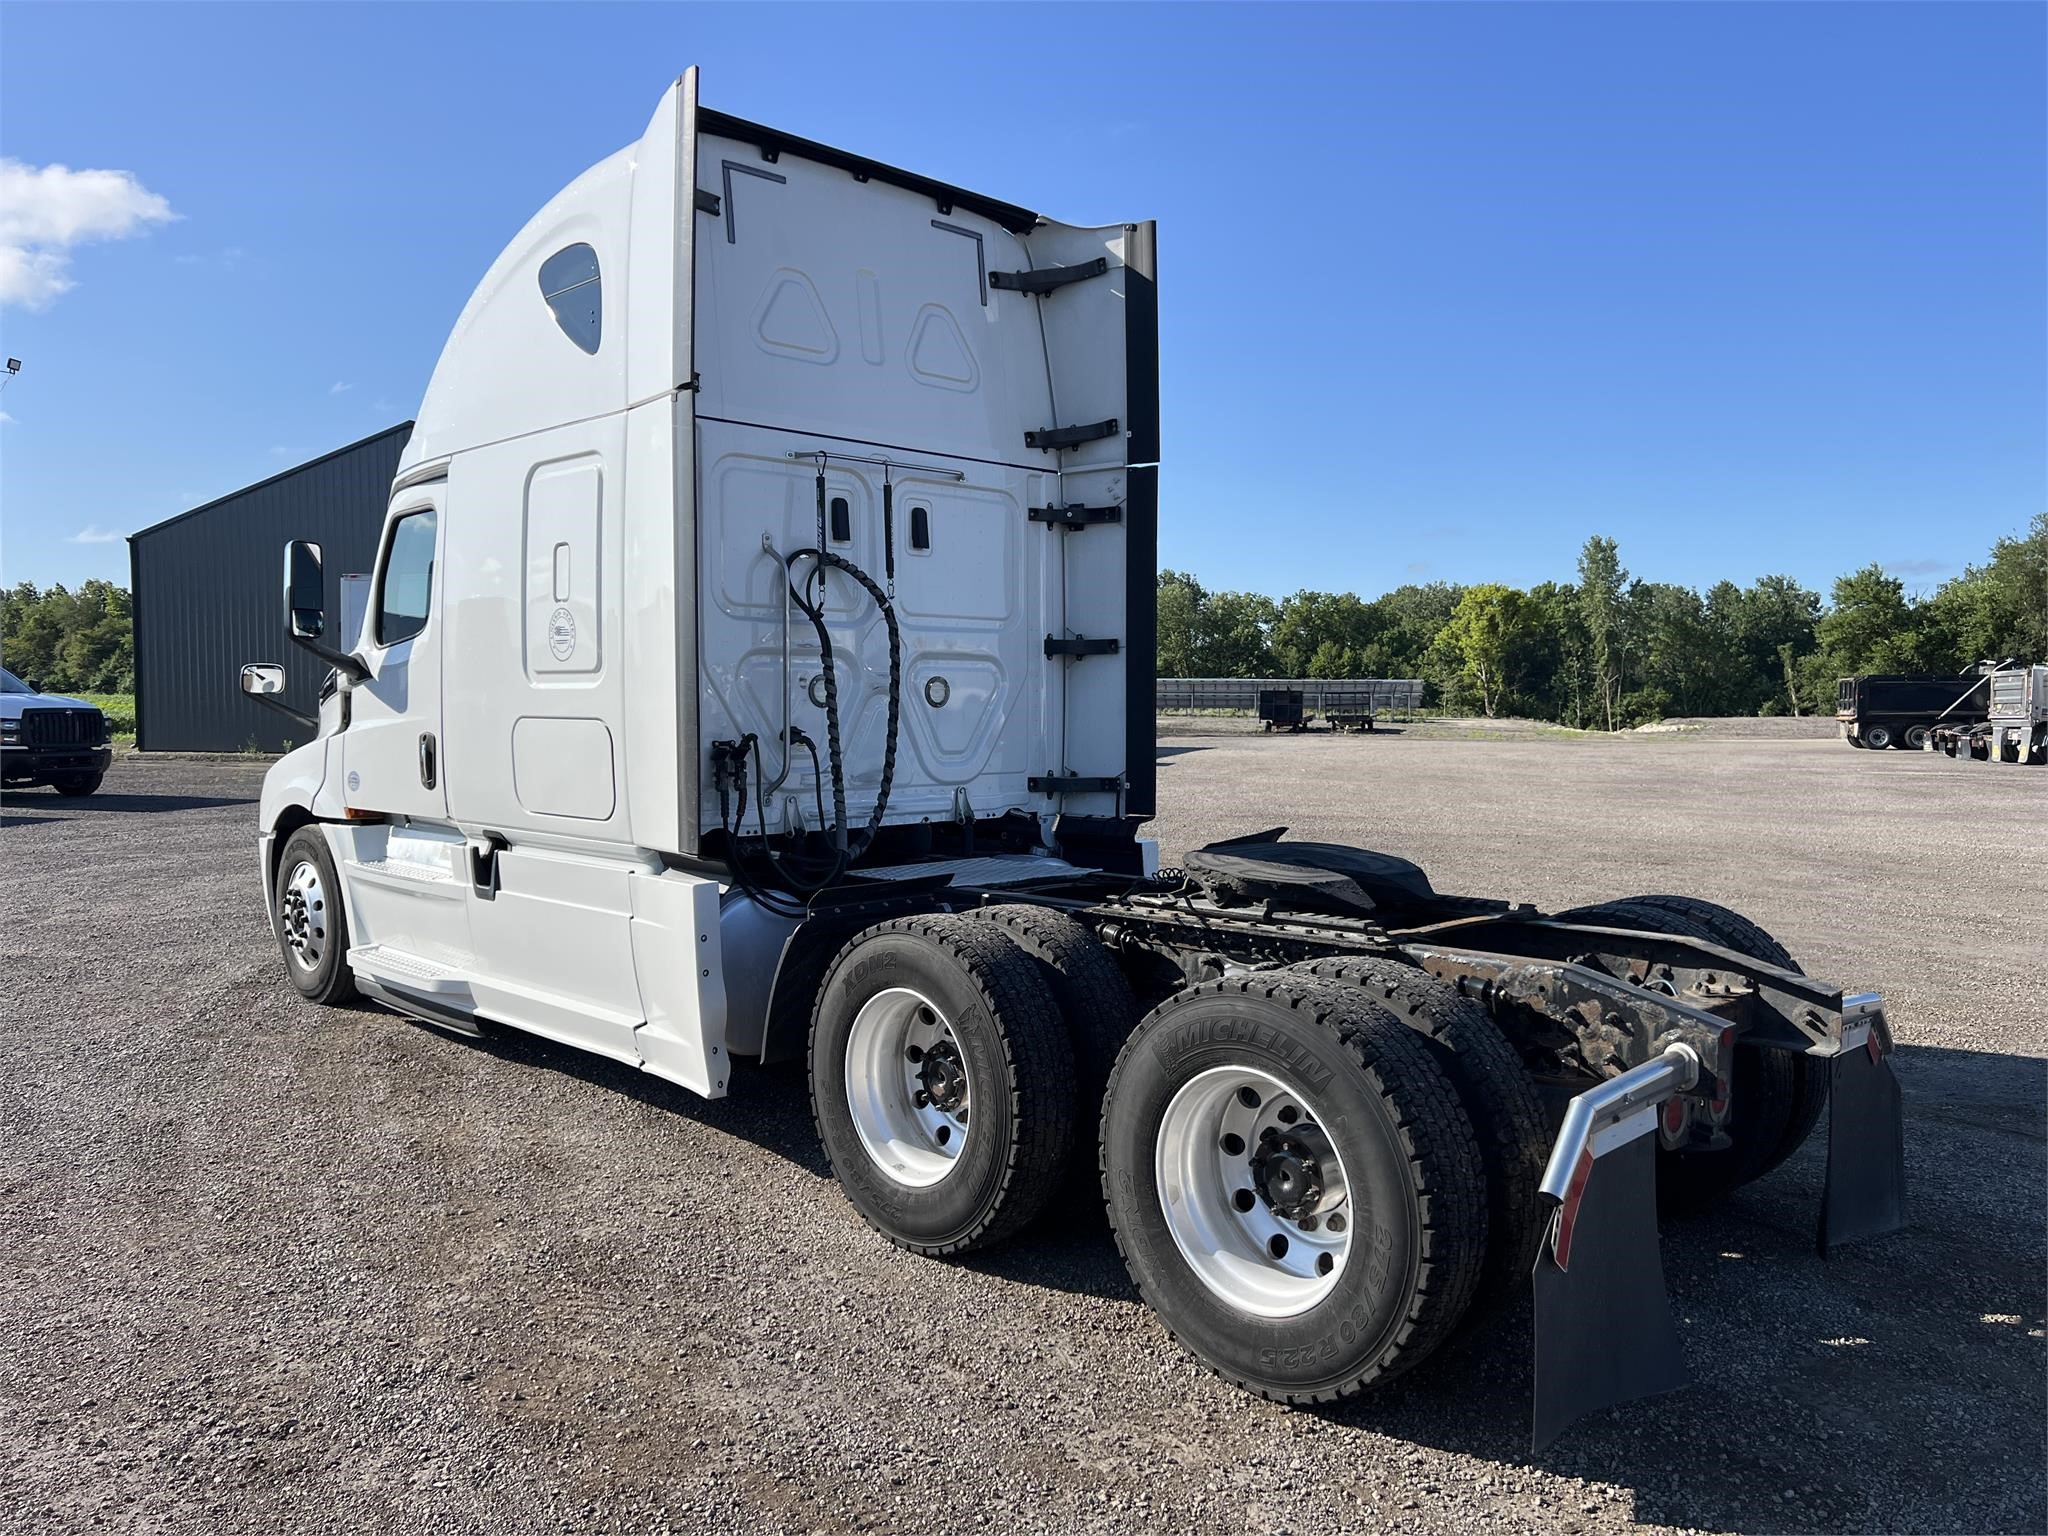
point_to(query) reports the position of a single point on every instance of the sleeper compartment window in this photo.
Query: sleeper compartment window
(569, 281)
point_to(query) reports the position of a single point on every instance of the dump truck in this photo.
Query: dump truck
(1899, 709)
(757, 666)
(2015, 724)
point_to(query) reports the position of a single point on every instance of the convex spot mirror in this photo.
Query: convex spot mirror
(261, 677)
(305, 590)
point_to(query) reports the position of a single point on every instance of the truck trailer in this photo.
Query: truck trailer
(758, 666)
(1900, 709)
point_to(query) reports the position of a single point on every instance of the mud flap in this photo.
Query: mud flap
(1866, 1188)
(1604, 1333)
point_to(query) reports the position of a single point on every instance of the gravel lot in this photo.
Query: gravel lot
(271, 1268)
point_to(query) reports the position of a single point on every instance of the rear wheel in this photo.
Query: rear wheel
(1777, 1096)
(1094, 998)
(1877, 736)
(941, 1082)
(1293, 1184)
(1499, 1098)
(1916, 737)
(311, 920)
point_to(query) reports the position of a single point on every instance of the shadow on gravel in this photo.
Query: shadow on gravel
(1822, 1391)
(768, 1106)
(1176, 751)
(148, 802)
(29, 821)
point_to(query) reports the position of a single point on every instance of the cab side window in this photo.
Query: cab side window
(406, 585)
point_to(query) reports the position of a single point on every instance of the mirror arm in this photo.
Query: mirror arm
(283, 709)
(348, 666)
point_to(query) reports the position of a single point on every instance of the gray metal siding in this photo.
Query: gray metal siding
(209, 597)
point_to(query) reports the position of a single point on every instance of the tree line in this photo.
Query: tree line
(1610, 651)
(69, 642)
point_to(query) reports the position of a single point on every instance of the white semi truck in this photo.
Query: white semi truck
(757, 665)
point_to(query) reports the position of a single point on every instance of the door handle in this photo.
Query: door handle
(428, 776)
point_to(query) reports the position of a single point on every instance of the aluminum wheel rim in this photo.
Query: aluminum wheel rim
(302, 912)
(1265, 1242)
(907, 1087)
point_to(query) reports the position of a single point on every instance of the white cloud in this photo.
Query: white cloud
(279, 450)
(93, 533)
(4, 417)
(340, 388)
(46, 210)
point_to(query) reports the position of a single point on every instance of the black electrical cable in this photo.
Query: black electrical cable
(801, 738)
(776, 902)
(847, 848)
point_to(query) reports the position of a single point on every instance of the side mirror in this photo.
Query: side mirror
(263, 681)
(305, 610)
(305, 591)
(262, 677)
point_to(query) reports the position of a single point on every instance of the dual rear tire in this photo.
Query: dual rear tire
(1288, 1161)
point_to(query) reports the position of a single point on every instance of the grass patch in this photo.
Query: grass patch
(119, 708)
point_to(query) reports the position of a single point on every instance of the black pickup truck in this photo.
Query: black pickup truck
(1900, 709)
(48, 739)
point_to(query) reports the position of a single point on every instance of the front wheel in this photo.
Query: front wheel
(77, 783)
(312, 923)
(1293, 1184)
(1877, 737)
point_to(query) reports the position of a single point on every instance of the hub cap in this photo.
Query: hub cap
(302, 914)
(907, 1087)
(1253, 1191)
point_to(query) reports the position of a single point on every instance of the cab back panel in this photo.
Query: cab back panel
(852, 319)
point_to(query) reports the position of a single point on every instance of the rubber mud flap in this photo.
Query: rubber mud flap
(1866, 1188)
(1604, 1333)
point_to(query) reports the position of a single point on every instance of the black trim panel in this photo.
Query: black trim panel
(773, 142)
(1141, 648)
(1141, 364)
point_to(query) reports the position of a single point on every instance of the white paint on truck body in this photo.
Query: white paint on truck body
(621, 440)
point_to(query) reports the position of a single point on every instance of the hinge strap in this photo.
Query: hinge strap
(1047, 279)
(1074, 515)
(1079, 645)
(1072, 784)
(1069, 437)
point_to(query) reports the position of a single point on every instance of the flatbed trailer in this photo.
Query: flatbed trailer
(758, 666)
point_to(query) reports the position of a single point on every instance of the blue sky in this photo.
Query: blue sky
(1444, 289)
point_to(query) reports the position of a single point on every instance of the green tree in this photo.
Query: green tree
(1233, 630)
(1180, 600)
(1483, 632)
(70, 642)
(1603, 605)
(1998, 609)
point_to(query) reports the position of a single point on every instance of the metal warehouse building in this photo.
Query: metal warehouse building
(209, 585)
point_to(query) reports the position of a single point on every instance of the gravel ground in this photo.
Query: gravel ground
(271, 1268)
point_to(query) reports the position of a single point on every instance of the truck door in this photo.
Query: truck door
(391, 751)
